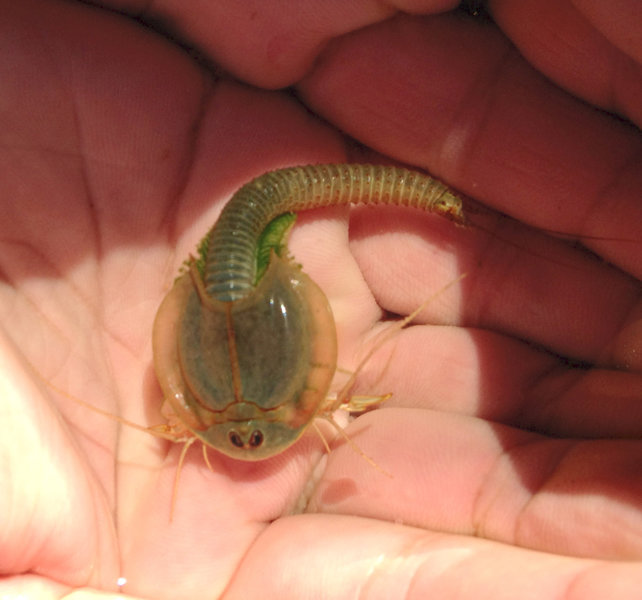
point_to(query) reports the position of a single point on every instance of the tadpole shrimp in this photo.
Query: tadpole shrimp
(244, 343)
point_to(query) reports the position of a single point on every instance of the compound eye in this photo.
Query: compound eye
(235, 439)
(256, 439)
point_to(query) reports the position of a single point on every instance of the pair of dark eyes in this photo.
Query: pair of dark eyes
(256, 439)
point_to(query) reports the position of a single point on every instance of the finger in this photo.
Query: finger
(454, 97)
(483, 374)
(590, 314)
(274, 46)
(588, 48)
(345, 557)
(619, 22)
(460, 475)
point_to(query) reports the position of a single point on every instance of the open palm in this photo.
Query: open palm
(512, 439)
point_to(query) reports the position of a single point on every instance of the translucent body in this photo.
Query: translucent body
(245, 355)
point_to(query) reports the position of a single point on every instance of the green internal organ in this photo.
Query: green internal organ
(245, 342)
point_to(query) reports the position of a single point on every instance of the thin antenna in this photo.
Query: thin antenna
(386, 335)
(351, 443)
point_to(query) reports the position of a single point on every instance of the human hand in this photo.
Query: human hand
(119, 150)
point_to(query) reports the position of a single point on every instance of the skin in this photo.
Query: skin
(511, 467)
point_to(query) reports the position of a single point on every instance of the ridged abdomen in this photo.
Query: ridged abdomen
(231, 256)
